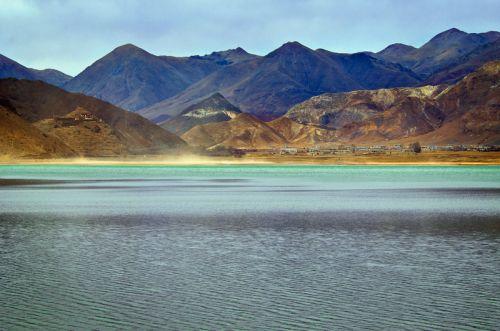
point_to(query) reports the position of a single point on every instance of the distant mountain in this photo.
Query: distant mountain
(161, 87)
(83, 125)
(466, 112)
(465, 64)
(51, 76)
(268, 86)
(370, 72)
(212, 109)
(397, 53)
(230, 56)
(132, 78)
(439, 52)
(11, 69)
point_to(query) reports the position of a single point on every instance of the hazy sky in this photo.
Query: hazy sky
(70, 35)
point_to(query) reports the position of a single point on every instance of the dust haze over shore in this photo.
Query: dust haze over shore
(184, 159)
(256, 158)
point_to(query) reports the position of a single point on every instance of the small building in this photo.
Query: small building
(288, 151)
(85, 117)
(313, 151)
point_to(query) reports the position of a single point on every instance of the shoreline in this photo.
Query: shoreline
(400, 159)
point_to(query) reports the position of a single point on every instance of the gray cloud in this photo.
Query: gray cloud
(70, 35)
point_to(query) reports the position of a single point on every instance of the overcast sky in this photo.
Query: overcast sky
(70, 35)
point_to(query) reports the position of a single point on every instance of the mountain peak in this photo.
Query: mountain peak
(289, 48)
(216, 100)
(127, 48)
(229, 56)
(454, 30)
(216, 95)
(449, 34)
(397, 48)
(237, 50)
(212, 109)
(293, 45)
(240, 50)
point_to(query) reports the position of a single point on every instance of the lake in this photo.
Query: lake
(249, 247)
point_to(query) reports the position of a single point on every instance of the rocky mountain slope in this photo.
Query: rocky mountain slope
(11, 69)
(248, 132)
(266, 87)
(397, 111)
(244, 131)
(467, 112)
(19, 138)
(215, 108)
(438, 53)
(300, 135)
(132, 78)
(88, 126)
(465, 64)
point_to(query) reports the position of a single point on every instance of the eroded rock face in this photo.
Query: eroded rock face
(394, 112)
(248, 132)
(213, 109)
(398, 113)
(244, 131)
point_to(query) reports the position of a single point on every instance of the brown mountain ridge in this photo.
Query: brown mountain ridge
(88, 126)
(467, 112)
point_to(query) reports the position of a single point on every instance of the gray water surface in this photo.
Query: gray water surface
(249, 247)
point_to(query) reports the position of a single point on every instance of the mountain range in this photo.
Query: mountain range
(268, 86)
(445, 91)
(467, 112)
(161, 87)
(132, 78)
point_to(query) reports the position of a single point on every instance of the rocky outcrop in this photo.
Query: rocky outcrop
(210, 110)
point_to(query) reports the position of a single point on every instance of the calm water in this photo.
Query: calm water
(249, 247)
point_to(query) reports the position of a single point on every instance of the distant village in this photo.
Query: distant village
(385, 149)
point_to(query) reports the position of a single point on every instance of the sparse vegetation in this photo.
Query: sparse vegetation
(415, 147)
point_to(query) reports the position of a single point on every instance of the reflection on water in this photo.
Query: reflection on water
(249, 247)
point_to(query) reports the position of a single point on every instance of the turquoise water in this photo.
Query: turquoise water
(249, 247)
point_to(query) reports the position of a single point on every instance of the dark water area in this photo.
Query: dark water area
(316, 248)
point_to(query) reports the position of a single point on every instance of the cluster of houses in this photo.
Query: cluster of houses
(351, 149)
(77, 118)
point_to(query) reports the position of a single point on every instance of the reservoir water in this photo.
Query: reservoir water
(249, 247)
